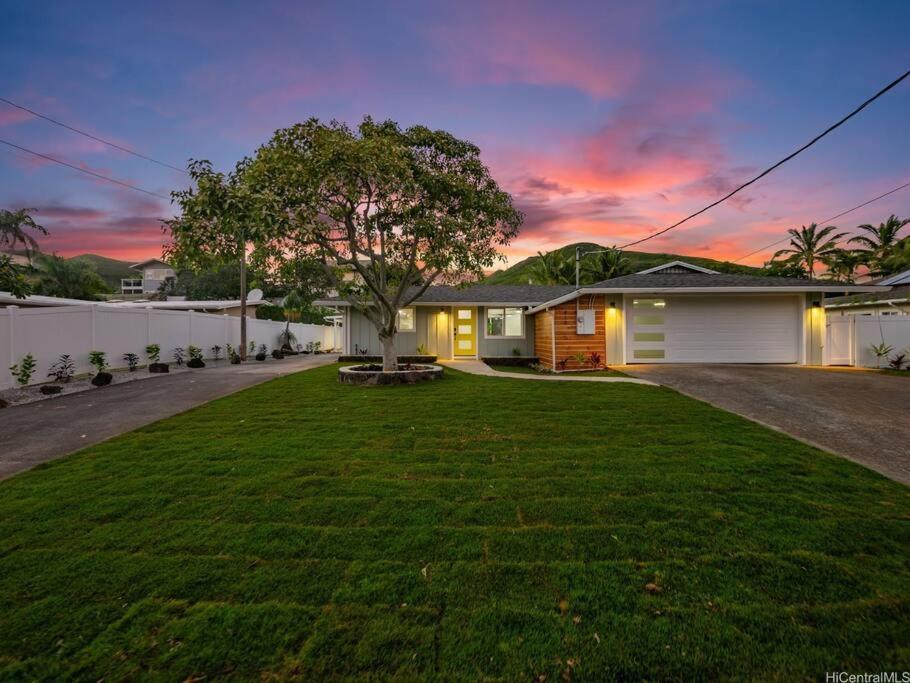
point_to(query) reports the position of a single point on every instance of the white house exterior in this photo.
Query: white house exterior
(153, 274)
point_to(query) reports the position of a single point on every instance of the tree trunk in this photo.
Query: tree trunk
(389, 354)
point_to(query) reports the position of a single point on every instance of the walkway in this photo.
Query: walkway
(477, 367)
(37, 432)
(861, 415)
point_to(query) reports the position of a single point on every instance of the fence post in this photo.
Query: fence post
(13, 315)
(191, 328)
(94, 308)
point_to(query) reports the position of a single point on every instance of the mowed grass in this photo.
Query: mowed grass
(466, 529)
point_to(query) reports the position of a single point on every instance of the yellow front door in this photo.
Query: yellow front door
(465, 331)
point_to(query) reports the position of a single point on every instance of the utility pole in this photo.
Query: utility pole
(577, 266)
(242, 297)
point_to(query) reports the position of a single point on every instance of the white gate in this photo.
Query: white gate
(839, 346)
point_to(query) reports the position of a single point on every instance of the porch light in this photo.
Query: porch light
(816, 304)
(612, 304)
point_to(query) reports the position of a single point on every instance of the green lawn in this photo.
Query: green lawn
(470, 528)
(525, 370)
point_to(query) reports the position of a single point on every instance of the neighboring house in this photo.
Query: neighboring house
(227, 307)
(674, 313)
(153, 274)
(894, 301)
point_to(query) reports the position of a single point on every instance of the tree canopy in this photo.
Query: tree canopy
(385, 212)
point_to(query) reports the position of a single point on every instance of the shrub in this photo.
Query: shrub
(897, 363)
(216, 352)
(594, 359)
(516, 351)
(132, 361)
(153, 351)
(561, 364)
(252, 347)
(270, 312)
(233, 356)
(580, 358)
(63, 370)
(24, 369)
(179, 355)
(99, 360)
(422, 350)
(195, 352)
(881, 351)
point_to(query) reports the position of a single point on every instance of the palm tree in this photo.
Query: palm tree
(843, 263)
(605, 265)
(552, 268)
(68, 279)
(880, 241)
(898, 260)
(808, 245)
(12, 230)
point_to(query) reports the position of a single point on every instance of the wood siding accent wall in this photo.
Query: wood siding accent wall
(543, 338)
(569, 342)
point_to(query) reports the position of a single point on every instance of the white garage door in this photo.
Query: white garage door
(713, 329)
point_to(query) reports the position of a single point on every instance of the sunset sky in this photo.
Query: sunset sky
(606, 121)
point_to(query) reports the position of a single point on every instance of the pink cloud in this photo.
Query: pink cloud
(537, 44)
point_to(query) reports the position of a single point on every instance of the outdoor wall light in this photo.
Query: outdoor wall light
(816, 304)
(612, 304)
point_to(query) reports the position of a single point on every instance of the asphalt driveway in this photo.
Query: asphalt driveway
(861, 415)
(37, 432)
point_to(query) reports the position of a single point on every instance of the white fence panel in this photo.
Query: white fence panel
(872, 329)
(48, 333)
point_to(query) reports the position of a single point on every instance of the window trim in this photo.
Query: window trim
(486, 318)
(398, 327)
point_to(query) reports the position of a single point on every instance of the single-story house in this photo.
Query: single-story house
(673, 313)
(153, 274)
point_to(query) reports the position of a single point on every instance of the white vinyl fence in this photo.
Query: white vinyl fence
(47, 333)
(850, 338)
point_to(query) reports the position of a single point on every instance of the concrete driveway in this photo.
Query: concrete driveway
(863, 416)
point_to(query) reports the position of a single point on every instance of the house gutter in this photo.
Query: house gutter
(703, 290)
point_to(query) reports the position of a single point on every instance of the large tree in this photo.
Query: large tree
(809, 245)
(215, 227)
(842, 264)
(879, 241)
(605, 265)
(552, 268)
(400, 209)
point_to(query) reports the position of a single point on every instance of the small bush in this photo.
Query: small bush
(98, 360)
(153, 352)
(216, 352)
(194, 352)
(179, 355)
(132, 361)
(63, 370)
(23, 370)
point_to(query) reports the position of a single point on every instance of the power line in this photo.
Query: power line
(768, 170)
(89, 135)
(826, 220)
(83, 170)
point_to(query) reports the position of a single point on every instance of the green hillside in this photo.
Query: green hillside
(110, 270)
(641, 260)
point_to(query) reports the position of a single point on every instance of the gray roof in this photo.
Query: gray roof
(485, 294)
(902, 292)
(671, 280)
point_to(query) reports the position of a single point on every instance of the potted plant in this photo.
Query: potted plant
(317, 346)
(23, 370)
(132, 361)
(195, 360)
(277, 354)
(98, 359)
(179, 355)
(261, 355)
(308, 349)
(897, 363)
(153, 351)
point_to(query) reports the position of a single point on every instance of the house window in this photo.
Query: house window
(406, 320)
(505, 322)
